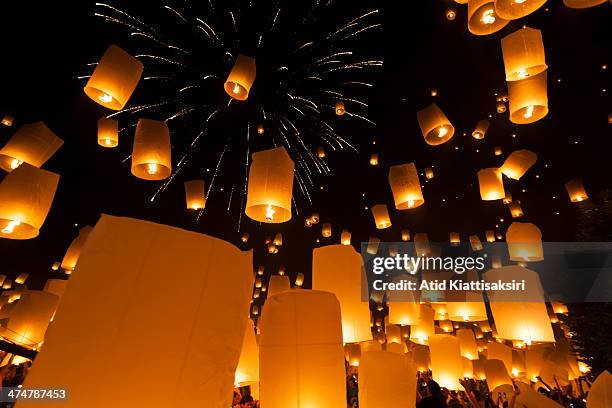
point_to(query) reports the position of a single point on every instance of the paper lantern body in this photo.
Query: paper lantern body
(475, 243)
(454, 238)
(473, 310)
(130, 260)
(352, 353)
(517, 164)
(270, 186)
(481, 129)
(524, 242)
(424, 329)
(278, 284)
(435, 126)
(74, 250)
(496, 373)
(195, 195)
(580, 4)
(340, 110)
(512, 9)
(108, 132)
(339, 269)
(575, 190)
(381, 216)
(491, 184)
(114, 79)
(482, 18)
(345, 237)
(7, 120)
(406, 186)
(56, 286)
(374, 159)
(386, 380)
(528, 99)
(600, 394)
(429, 174)
(241, 78)
(326, 230)
(515, 209)
(523, 50)
(467, 343)
(404, 313)
(29, 318)
(26, 195)
(300, 351)
(151, 154)
(499, 351)
(446, 364)
(247, 372)
(33, 143)
(20, 280)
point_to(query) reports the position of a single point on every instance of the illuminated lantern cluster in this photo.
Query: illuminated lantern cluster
(482, 17)
(114, 79)
(481, 129)
(575, 190)
(517, 164)
(524, 242)
(241, 78)
(270, 186)
(195, 196)
(435, 126)
(151, 154)
(491, 184)
(406, 186)
(381, 216)
(33, 143)
(108, 132)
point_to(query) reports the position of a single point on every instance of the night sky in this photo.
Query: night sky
(47, 45)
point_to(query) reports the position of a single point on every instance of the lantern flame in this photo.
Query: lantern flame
(16, 163)
(152, 168)
(488, 17)
(519, 1)
(529, 112)
(10, 227)
(442, 131)
(522, 73)
(236, 89)
(270, 213)
(106, 98)
(107, 141)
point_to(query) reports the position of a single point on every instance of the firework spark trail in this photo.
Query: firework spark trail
(138, 108)
(358, 83)
(353, 23)
(229, 202)
(208, 30)
(117, 21)
(216, 172)
(176, 13)
(355, 115)
(246, 175)
(163, 59)
(182, 112)
(371, 27)
(160, 42)
(126, 15)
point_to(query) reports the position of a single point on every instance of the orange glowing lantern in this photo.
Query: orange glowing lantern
(498, 151)
(446, 364)
(33, 143)
(326, 230)
(7, 120)
(481, 129)
(523, 51)
(528, 99)
(73, 252)
(340, 110)
(406, 187)
(491, 184)
(151, 155)
(405, 235)
(575, 190)
(435, 126)
(320, 152)
(490, 235)
(517, 164)
(524, 242)
(108, 132)
(386, 380)
(241, 78)
(515, 209)
(580, 4)
(429, 174)
(381, 216)
(195, 195)
(345, 237)
(455, 238)
(482, 18)
(374, 159)
(475, 243)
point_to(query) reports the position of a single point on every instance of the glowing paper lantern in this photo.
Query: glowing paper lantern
(468, 367)
(524, 242)
(534, 361)
(130, 260)
(151, 154)
(326, 230)
(406, 187)
(600, 394)
(523, 50)
(345, 237)
(278, 239)
(108, 132)
(241, 78)
(260, 129)
(245, 237)
(386, 380)
(372, 247)
(496, 373)
(515, 209)
(278, 284)
(247, 372)
(499, 351)
(270, 186)
(482, 18)
(451, 14)
(374, 159)
(507, 198)
(340, 110)
(421, 332)
(472, 310)
(500, 107)
(421, 357)
(20, 280)
(7, 283)
(517, 164)
(580, 4)
(320, 152)
(481, 129)
(381, 216)
(559, 308)
(405, 235)
(314, 218)
(575, 190)
(455, 238)
(429, 174)
(302, 330)
(299, 280)
(445, 325)
(195, 195)
(475, 243)
(339, 269)
(528, 99)
(33, 143)
(393, 333)
(352, 353)
(446, 364)
(26, 195)
(421, 244)
(514, 9)
(467, 344)
(490, 235)
(435, 126)
(7, 120)
(491, 184)
(74, 250)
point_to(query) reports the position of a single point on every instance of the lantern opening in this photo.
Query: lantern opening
(10, 227)
(106, 98)
(488, 16)
(15, 163)
(151, 168)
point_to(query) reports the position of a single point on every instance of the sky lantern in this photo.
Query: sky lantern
(314, 218)
(74, 250)
(404, 309)
(381, 216)
(515, 209)
(475, 243)
(108, 132)
(424, 329)
(490, 235)
(468, 367)
(523, 52)
(446, 364)
(374, 159)
(481, 129)
(345, 237)
(482, 18)
(575, 190)
(517, 164)
(278, 239)
(261, 129)
(600, 394)
(33, 143)
(151, 154)
(114, 78)
(406, 186)
(405, 235)
(580, 4)
(326, 230)
(245, 237)
(421, 357)
(21, 278)
(491, 184)
(352, 353)
(524, 242)
(339, 108)
(386, 380)
(195, 195)
(435, 126)
(270, 186)
(7, 284)
(272, 249)
(339, 269)
(372, 247)
(247, 372)
(7, 120)
(445, 325)
(559, 307)
(429, 173)
(514, 9)
(451, 14)
(301, 353)
(507, 198)
(500, 106)
(421, 244)
(278, 284)
(393, 333)
(241, 78)
(467, 343)
(496, 373)
(499, 351)
(26, 195)
(299, 279)
(454, 238)
(472, 310)
(528, 99)
(534, 361)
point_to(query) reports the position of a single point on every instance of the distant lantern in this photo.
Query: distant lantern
(340, 110)
(496, 373)
(326, 230)
(580, 4)
(515, 209)
(461, 1)
(20, 280)
(260, 270)
(73, 252)
(446, 364)
(435, 126)
(302, 328)
(491, 184)
(151, 155)
(490, 235)
(7, 120)
(381, 216)
(272, 249)
(475, 243)
(278, 239)
(26, 195)
(429, 174)
(507, 198)
(258, 283)
(321, 152)
(575, 190)
(308, 223)
(386, 380)
(241, 78)
(345, 237)
(451, 14)
(108, 132)
(467, 343)
(517, 164)
(374, 159)
(282, 270)
(500, 106)
(270, 186)
(481, 129)
(445, 325)
(559, 307)
(247, 371)
(455, 239)
(314, 218)
(524, 242)
(434, 91)
(33, 143)
(299, 279)
(55, 266)
(468, 367)
(7, 284)
(352, 353)
(528, 99)
(393, 333)
(114, 79)
(260, 129)
(523, 51)
(405, 235)
(372, 247)
(406, 186)
(499, 351)
(421, 244)
(245, 237)
(482, 18)
(195, 196)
